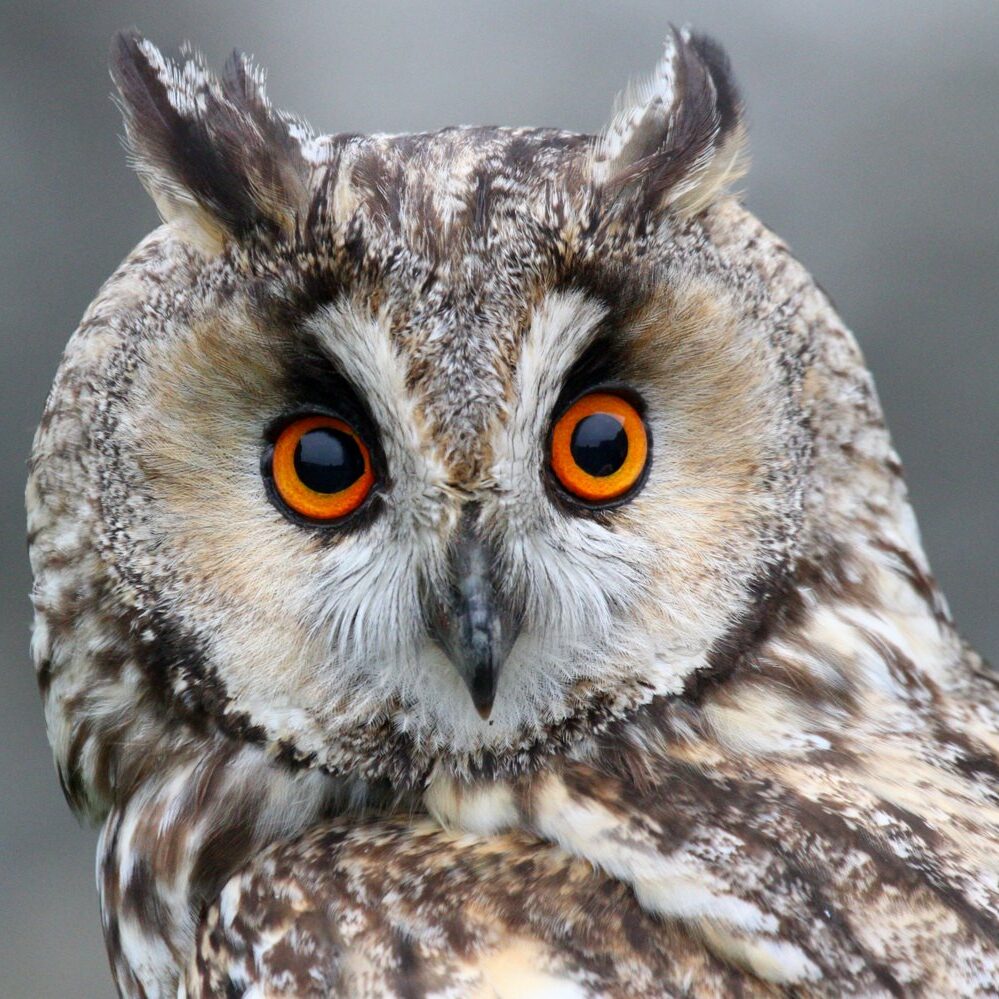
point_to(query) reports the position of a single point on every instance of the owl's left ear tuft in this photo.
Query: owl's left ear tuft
(214, 155)
(677, 140)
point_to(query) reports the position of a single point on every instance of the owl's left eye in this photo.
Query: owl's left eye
(600, 448)
(320, 468)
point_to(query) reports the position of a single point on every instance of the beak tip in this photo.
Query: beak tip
(482, 687)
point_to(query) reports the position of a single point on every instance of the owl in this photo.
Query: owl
(474, 563)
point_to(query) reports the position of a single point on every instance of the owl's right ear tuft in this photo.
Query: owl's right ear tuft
(214, 155)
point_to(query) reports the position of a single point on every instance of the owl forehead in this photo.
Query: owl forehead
(459, 362)
(449, 352)
(454, 238)
(443, 194)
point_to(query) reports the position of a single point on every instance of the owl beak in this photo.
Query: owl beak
(474, 625)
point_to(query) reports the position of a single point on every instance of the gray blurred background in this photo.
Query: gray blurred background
(875, 138)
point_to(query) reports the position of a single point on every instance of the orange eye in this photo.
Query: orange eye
(600, 447)
(321, 468)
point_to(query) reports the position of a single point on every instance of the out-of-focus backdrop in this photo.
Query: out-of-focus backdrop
(875, 138)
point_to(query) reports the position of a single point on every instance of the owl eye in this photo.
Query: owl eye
(599, 448)
(321, 468)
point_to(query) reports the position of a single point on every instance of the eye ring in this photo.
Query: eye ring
(599, 449)
(321, 468)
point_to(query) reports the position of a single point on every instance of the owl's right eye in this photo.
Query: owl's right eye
(321, 468)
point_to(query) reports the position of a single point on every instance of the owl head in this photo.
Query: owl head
(399, 451)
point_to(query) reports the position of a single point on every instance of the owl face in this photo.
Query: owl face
(441, 447)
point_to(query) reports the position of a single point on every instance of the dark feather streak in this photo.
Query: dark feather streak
(235, 157)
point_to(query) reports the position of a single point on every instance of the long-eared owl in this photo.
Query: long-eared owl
(474, 563)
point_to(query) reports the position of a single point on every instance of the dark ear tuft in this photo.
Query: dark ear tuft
(214, 154)
(677, 140)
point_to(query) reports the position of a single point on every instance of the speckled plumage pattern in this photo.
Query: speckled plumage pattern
(738, 747)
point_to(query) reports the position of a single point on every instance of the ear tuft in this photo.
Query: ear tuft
(677, 140)
(214, 155)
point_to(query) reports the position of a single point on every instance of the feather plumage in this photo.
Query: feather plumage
(738, 745)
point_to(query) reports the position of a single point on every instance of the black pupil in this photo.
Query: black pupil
(328, 460)
(599, 444)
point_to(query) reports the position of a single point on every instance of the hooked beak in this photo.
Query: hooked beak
(474, 625)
